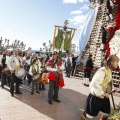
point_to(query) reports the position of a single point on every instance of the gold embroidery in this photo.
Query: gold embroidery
(105, 84)
(16, 67)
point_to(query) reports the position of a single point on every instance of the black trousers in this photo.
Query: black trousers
(73, 68)
(1, 71)
(87, 73)
(53, 90)
(68, 70)
(29, 78)
(104, 39)
(4, 77)
(14, 80)
(109, 11)
(41, 86)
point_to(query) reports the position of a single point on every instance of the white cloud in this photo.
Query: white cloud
(70, 1)
(78, 19)
(85, 7)
(83, 0)
(76, 12)
(74, 1)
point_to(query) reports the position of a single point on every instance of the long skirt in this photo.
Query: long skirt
(94, 105)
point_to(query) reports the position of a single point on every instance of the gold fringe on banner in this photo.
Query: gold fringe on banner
(73, 33)
(54, 36)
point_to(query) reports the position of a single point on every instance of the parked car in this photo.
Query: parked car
(36, 51)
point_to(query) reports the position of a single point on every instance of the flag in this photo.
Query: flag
(67, 40)
(59, 39)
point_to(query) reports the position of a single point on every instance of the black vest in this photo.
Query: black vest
(4, 60)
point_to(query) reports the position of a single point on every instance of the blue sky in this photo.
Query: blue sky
(32, 21)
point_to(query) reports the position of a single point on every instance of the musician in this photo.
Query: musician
(43, 70)
(34, 68)
(14, 63)
(27, 65)
(33, 57)
(4, 60)
(101, 87)
(54, 78)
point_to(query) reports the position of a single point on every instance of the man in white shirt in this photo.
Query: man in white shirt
(68, 65)
(27, 61)
(14, 63)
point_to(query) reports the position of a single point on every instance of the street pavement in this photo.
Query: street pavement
(35, 107)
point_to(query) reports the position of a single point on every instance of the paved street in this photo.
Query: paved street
(36, 107)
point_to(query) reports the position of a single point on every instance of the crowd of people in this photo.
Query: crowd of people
(52, 68)
(14, 68)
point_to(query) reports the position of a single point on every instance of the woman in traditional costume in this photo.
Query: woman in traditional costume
(100, 89)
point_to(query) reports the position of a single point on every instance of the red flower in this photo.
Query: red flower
(118, 18)
(107, 48)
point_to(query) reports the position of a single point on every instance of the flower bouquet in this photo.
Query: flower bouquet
(115, 114)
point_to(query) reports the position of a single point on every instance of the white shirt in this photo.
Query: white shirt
(28, 62)
(14, 61)
(97, 81)
(40, 65)
(51, 69)
(70, 60)
(1, 59)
